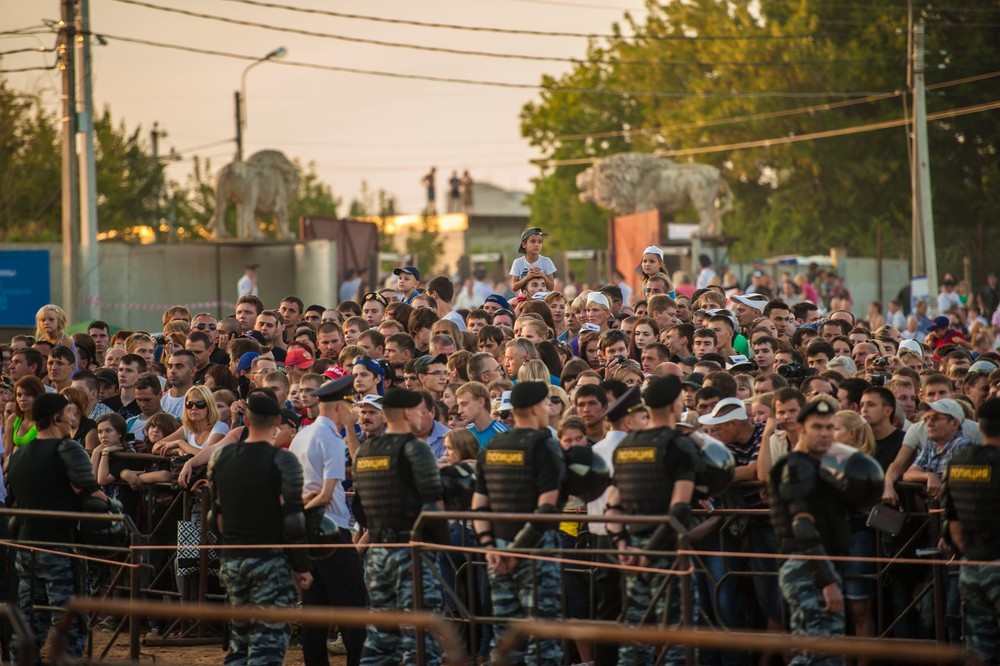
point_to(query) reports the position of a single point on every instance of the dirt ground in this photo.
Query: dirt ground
(188, 655)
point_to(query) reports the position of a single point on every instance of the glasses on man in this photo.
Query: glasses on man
(206, 326)
(437, 373)
(195, 404)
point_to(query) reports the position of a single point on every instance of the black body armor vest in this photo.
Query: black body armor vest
(507, 465)
(383, 481)
(972, 485)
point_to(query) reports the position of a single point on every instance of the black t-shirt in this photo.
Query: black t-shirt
(219, 357)
(247, 484)
(886, 449)
(279, 355)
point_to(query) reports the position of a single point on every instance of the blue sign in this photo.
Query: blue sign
(24, 286)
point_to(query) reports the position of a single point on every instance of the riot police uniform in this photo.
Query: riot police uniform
(51, 475)
(647, 464)
(257, 490)
(971, 495)
(395, 478)
(513, 471)
(810, 513)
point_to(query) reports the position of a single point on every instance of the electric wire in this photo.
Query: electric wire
(492, 84)
(506, 56)
(516, 31)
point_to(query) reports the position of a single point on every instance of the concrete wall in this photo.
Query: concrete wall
(138, 281)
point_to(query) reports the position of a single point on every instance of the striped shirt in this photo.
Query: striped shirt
(489, 432)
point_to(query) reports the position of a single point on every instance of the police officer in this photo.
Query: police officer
(338, 579)
(654, 475)
(256, 491)
(521, 471)
(972, 500)
(53, 474)
(810, 518)
(395, 477)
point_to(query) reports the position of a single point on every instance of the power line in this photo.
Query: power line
(493, 54)
(581, 5)
(489, 84)
(514, 31)
(27, 30)
(18, 70)
(33, 49)
(782, 140)
(768, 114)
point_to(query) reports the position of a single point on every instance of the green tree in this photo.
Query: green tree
(425, 244)
(803, 196)
(29, 169)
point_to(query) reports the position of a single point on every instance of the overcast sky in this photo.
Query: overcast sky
(354, 127)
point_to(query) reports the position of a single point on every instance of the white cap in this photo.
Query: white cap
(599, 298)
(652, 249)
(372, 401)
(910, 346)
(716, 418)
(504, 402)
(540, 295)
(590, 327)
(948, 407)
(755, 301)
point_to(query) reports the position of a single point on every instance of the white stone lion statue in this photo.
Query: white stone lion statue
(262, 187)
(635, 182)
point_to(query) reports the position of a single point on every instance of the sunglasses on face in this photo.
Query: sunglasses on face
(555, 400)
(195, 404)
(203, 326)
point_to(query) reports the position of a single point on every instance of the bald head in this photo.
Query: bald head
(668, 368)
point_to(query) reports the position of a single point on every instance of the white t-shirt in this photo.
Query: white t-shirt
(171, 405)
(520, 267)
(243, 287)
(606, 449)
(218, 428)
(456, 319)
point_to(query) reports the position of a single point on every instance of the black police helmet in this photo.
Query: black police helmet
(857, 476)
(715, 473)
(587, 475)
(459, 484)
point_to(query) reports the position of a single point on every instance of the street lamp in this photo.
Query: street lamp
(241, 97)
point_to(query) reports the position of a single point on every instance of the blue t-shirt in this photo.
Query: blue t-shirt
(492, 430)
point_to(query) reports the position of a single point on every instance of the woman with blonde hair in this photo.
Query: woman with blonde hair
(534, 371)
(201, 426)
(849, 428)
(557, 405)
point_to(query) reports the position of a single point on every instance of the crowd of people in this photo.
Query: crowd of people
(350, 421)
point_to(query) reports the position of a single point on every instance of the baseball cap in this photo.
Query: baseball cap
(911, 346)
(983, 366)
(940, 323)
(421, 363)
(755, 301)
(504, 402)
(299, 358)
(528, 233)
(946, 406)
(372, 401)
(599, 298)
(246, 361)
(409, 270)
(499, 300)
(652, 249)
(726, 410)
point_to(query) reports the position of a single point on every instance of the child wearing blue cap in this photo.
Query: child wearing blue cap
(533, 264)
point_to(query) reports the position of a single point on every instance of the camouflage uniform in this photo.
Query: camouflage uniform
(53, 581)
(258, 580)
(389, 575)
(980, 587)
(806, 610)
(639, 591)
(512, 597)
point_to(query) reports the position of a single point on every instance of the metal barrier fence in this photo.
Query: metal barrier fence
(133, 575)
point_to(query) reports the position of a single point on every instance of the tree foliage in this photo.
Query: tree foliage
(797, 197)
(132, 188)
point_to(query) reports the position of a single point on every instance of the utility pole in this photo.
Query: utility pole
(239, 125)
(89, 266)
(923, 211)
(155, 135)
(70, 180)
